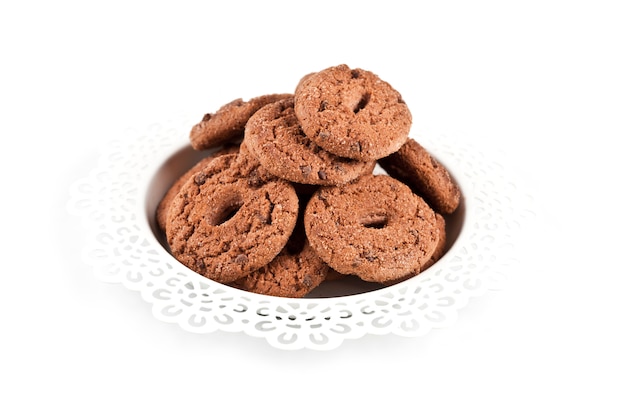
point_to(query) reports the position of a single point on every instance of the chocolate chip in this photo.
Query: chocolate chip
(323, 199)
(241, 259)
(370, 257)
(307, 281)
(200, 178)
(255, 179)
(200, 264)
(321, 174)
(305, 169)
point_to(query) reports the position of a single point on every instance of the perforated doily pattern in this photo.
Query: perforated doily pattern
(121, 247)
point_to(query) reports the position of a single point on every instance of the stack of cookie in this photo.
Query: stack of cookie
(290, 194)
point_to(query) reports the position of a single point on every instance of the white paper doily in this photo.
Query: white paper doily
(113, 203)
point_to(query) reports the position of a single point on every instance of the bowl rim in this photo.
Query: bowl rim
(121, 247)
(146, 215)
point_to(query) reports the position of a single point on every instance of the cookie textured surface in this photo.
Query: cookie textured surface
(374, 227)
(415, 166)
(352, 113)
(288, 275)
(299, 201)
(231, 218)
(295, 272)
(164, 205)
(229, 122)
(274, 135)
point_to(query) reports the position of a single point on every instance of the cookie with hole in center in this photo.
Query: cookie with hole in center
(228, 122)
(231, 218)
(275, 137)
(164, 205)
(352, 113)
(374, 227)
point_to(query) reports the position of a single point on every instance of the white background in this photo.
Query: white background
(542, 80)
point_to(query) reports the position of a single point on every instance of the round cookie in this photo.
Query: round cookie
(229, 122)
(295, 272)
(352, 113)
(413, 165)
(231, 218)
(164, 204)
(374, 227)
(274, 135)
